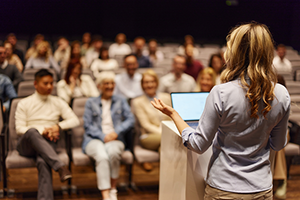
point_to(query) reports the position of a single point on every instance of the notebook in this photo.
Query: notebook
(189, 105)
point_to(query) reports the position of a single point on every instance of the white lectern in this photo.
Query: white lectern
(182, 172)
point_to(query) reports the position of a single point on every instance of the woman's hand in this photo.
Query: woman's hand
(72, 83)
(171, 112)
(161, 106)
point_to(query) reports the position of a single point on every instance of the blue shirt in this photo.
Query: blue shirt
(144, 61)
(123, 119)
(241, 145)
(7, 90)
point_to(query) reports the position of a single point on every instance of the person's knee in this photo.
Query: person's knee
(101, 157)
(32, 132)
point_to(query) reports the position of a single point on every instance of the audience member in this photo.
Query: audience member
(76, 84)
(216, 63)
(37, 39)
(119, 47)
(193, 66)
(86, 43)
(7, 91)
(9, 70)
(63, 52)
(37, 122)
(280, 63)
(148, 117)
(144, 61)
(12, 59)
(107, 120)
(94, 52)
(206, 80)
(128, 84)
(103, 63)
(177, 80)
(42, 58)
(75, 56)
(188, 39)
(13, 40)
(152, 52)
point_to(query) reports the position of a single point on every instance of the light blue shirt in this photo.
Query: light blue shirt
(241, 145)
(7, 90)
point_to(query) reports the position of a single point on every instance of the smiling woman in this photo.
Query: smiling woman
(148, 117)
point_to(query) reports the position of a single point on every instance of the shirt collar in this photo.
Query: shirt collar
(40, 96)
(4, 65)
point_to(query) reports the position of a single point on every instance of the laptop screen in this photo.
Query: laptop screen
(189, 105)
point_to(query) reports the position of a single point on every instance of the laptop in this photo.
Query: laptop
(189, 105)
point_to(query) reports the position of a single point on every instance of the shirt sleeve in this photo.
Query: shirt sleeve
(54, 64)
(278, 135)
(20, 117)
(70, 120)
(200, 139)
(9, 92)
(17, 77)
(90, 126)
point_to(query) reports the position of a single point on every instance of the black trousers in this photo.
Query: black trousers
(33, 144)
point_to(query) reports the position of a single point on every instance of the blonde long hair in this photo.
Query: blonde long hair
(40, 45)
(250, 51)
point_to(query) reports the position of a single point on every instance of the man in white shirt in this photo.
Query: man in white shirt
(63, 52)
(177, 80)
(120, 47)
(128, 84)
(37, 121)
(94, 52)
(280, 63)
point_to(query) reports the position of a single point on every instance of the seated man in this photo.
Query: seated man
(107, 121)
(177, 80)
(94, 52)
(119, 47)
(9, 70)
(37, 120)
(7, 91)
(144, 61)
(281, 63)
(63, 51)
(128, 84)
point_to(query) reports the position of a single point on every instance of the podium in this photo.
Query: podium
(182, 171)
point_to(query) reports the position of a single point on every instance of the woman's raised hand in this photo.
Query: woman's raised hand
(161, 106)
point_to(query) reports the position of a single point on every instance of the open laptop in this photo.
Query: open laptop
(189, 105)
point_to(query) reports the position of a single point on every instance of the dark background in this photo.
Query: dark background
(167, 20)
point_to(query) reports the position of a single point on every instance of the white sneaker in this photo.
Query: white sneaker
(113, 194)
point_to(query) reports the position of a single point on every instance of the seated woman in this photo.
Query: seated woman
(147, 116)
(42, 58)
(75, 55)
(75, 84)
(12, 59)
(103, 63)
(206, 80)
(107, 119)
(154, 54)
(216, 63)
